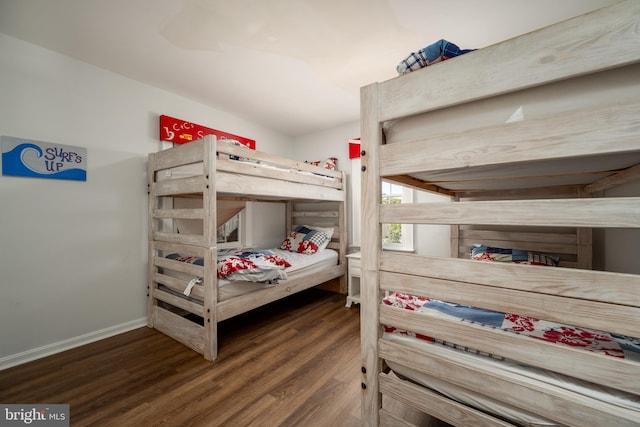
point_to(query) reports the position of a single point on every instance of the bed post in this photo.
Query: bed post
(289, 217)
(152, 204)
(371, 136)
(342, 225)
(209, 202)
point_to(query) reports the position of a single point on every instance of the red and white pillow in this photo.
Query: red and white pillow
(307, 239)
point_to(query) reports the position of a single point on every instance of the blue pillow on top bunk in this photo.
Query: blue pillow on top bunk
(518, 256)
(305, 240)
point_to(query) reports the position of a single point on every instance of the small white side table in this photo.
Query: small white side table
(353, 278)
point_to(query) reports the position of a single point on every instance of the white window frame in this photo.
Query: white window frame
(406, 243)
(407, 197)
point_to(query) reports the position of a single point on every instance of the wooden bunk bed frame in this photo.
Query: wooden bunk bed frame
(495, 210)
(211, 170)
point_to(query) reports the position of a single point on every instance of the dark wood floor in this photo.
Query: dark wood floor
(291, 363)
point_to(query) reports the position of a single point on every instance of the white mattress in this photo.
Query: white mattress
(490, 405)
(301, 265)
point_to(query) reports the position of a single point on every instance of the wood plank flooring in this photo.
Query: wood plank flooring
(292, 363)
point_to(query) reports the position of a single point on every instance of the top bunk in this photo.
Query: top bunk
(563, 116)
(236, 172)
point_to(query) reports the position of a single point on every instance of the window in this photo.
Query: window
(396, 236)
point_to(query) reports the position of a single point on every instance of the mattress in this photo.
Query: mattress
(301, 265)
(631, 349)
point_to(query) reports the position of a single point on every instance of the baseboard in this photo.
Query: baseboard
(57, 347)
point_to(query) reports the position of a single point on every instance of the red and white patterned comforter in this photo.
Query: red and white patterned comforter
(590, 340)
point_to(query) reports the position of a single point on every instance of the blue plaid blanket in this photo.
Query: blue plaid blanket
(435, 52)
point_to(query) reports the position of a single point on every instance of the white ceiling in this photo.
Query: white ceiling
(294, 66)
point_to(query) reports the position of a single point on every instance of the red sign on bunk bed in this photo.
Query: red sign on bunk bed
(180, 132)
(354, 148)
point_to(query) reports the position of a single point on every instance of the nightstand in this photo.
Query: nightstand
(353, 278)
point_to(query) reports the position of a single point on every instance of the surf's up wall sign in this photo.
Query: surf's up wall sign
(37, 159)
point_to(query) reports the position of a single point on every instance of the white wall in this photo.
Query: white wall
(332, 142)
(73, 254)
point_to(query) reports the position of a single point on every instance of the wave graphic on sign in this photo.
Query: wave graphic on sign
(26, 160)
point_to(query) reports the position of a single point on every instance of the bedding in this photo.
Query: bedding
(301, 265)
(517, 256)
(433, 53)
(594, 341)
(242, 282)
(241, 264)
(306, 240)
(604, 343)
(237, 143)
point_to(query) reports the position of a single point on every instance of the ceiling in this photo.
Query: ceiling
(294, 66)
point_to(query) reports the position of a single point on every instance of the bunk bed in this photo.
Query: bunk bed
(534, 144)
(194, 189)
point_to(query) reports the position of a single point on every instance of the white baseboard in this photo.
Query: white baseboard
(57, 347)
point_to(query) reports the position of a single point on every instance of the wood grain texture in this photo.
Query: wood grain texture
(206, 169)
(550, 56)
(512, 184)
(295, 362)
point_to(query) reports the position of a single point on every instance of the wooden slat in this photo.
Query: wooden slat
(572, 361)
(178, 285)
(178, 302)
(548, 248)
(620, 288)
(183, 249)
(183, 267)
(388, 419)
(180, 329)
(180, 155)
(620, 319)
(315, 214)
(178, 213)
(525, 392)
(568, 239)
(243, 303)
(267, 187)
(281, 162)
(533, 59)
(292, 175)
(436, 404)
(171, 187)
(621, 177)
(603, 212)
(556, 192)
(566, 136)
(185, 239)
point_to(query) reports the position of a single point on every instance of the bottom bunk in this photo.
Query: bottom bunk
(184, 305)
(451, 369)
(454, 347)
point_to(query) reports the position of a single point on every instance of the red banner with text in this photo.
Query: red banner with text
(180, 132)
